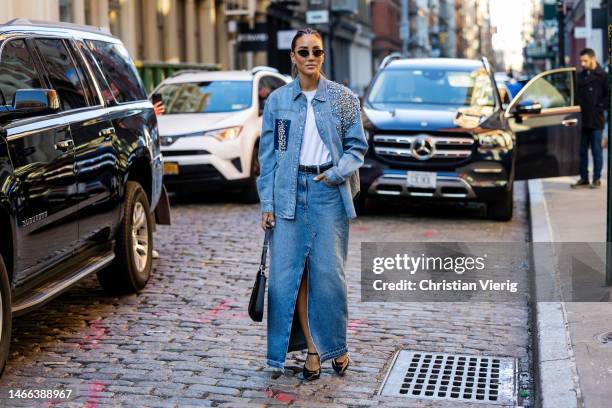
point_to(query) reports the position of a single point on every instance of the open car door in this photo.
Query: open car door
(545, 118)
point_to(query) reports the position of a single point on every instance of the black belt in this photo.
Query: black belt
(316, 169)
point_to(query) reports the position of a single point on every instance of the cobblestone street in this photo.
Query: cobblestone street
(186, 340)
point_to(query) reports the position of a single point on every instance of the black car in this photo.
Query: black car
(80, 167)
(438, 129)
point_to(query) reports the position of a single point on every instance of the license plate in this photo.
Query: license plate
(421, 179)
(171, 168)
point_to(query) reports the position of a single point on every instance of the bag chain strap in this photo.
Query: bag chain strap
(264, 251)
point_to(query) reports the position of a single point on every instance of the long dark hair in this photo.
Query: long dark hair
(301, 32)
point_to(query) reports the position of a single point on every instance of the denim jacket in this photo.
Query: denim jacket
(338, 119)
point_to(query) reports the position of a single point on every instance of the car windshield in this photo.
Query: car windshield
(398, 87)
(206, 97)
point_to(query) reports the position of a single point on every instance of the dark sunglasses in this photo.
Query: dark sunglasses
(305, 53)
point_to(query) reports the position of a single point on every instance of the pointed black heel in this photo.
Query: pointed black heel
(311, 375)
(340, 369)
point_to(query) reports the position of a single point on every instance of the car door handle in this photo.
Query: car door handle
(64, 145)
(569, 122)
(107, 133)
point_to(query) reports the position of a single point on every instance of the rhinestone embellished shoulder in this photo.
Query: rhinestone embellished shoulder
(344, 105)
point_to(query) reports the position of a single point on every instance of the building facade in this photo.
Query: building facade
(538, 34)
(437, 28)
(586, 26)
(347, 37)
(474, 30)
(235, 34)
(152, 30)
(448, 29)
(385, 29)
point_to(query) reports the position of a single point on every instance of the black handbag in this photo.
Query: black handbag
(256, 303)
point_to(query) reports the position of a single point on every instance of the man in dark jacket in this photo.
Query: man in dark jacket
(593, 96)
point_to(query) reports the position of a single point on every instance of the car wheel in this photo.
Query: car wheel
(501, 210)
(6, 317)
(250, 194)
(131, 268)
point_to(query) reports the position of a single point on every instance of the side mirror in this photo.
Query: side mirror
(36, 100)
(31, 102)
(528, 106)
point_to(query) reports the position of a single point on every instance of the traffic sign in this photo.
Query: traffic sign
(317, 17)
(284, 38)
(581, 32)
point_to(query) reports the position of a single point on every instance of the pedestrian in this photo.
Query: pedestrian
(593, 96)
(312, 145)
(159, 108)
(158, 105)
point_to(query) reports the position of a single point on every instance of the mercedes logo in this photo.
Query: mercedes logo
(423, 148)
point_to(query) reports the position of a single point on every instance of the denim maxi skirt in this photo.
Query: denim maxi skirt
(317, 238)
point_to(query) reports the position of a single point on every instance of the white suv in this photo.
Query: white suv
(210, 130)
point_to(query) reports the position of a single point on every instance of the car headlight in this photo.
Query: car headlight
(224, 134)
(495, 139)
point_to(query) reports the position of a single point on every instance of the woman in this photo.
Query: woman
(311, 147)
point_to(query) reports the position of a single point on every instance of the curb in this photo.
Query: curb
(555, 369)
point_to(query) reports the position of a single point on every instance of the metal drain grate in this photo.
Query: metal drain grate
(455, 377)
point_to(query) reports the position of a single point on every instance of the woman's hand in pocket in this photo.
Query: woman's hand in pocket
(267, 220)
(321, 177)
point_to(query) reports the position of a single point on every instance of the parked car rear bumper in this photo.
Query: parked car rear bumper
(200, 177)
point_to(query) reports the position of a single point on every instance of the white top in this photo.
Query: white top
(313, 149)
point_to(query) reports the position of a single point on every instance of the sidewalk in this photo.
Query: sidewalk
(573, 365)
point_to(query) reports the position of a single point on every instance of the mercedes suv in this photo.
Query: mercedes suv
(80, 167)
(438, 130)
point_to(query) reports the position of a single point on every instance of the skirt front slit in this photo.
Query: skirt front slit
(315, 241)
